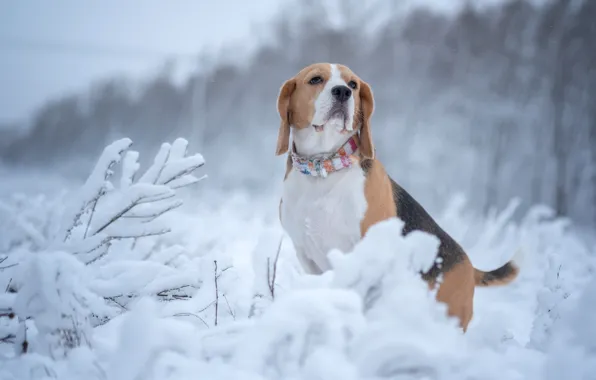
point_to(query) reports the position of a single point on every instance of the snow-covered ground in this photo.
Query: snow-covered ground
(214, 295)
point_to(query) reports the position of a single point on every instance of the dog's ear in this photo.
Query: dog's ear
(367, 106)
(283, 107)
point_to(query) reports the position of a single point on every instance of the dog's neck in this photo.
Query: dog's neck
(312, 144)
(321, 164)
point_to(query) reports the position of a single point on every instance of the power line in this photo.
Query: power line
(11, 44)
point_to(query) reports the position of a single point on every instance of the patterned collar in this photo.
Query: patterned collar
(322, 166)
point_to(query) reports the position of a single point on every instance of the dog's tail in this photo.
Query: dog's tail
(501, 276)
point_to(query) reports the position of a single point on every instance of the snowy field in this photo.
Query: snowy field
(145, 274)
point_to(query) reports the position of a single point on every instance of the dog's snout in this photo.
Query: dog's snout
(341, 93)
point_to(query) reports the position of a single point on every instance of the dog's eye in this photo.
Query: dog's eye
(352, 84)
(315, 80)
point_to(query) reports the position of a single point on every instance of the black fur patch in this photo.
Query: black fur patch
(502, 273)
(416, 218)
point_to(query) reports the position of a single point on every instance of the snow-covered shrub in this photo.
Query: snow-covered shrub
(56, 296)
(372, 319)
(572, 352)
(28, 222)
(84, 267)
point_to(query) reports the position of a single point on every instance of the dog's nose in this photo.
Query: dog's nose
(341, 93)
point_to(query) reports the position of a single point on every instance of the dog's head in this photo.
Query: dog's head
(325, 104)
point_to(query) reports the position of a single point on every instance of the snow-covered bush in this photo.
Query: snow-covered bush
(28, 222)
(61, 279)
(572, 352)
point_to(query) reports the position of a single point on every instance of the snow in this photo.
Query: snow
(217, 292)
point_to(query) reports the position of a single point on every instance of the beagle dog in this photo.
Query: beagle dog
(335, 189)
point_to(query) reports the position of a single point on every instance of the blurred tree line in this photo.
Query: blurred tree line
(497, 103)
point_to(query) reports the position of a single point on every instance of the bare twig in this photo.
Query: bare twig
(146, 234)
(271, 279)
(155, 198)
(91, 216)
(207, 307)
(164, 294)
(223, 270)
(216, 291)
(7, 313)
(9, 266)
(229, 308)
(113, 300)
(183, 173)
(8, 339)
(101, 248)
(191, 315)
(167, 296)
(21, 338)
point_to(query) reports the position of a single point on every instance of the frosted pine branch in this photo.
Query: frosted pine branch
(120, 203)
(131, 211)
(172, 168)
(96, 185)
(153, 211)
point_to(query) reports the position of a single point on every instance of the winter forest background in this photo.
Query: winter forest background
(494, 101)
(120, 260)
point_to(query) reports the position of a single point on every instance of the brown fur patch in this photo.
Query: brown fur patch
(302, 101)
(283, 108)
(457, 292)
(378, 194)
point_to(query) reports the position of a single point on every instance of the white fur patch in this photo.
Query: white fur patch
(320, 214)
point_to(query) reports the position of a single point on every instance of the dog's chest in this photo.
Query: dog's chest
(320, 214)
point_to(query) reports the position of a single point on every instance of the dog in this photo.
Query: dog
(335, 189)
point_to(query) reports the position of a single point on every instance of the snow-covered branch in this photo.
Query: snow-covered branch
(172, 167)
(101, 212)
(96, 186)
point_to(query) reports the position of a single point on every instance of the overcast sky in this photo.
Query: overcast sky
(51, 47)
